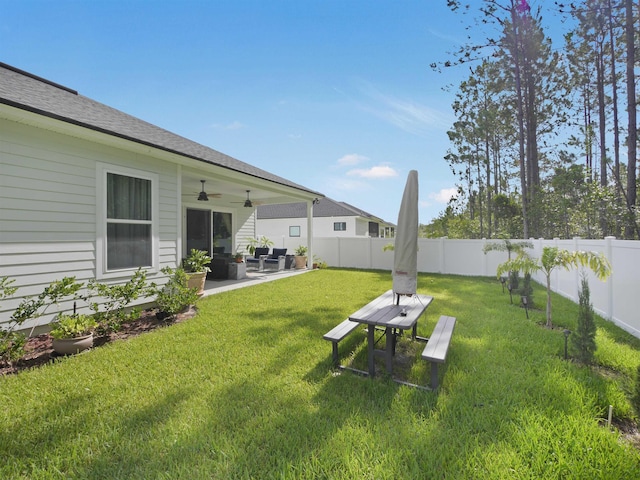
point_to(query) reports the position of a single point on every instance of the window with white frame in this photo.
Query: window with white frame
(294, 230)
(126, 239)
(339, 226)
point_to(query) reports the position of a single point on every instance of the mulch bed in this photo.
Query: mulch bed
(39, 350)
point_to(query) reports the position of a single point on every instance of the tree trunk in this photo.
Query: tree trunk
(632, 130)
(521, 133)
(602, 128)
(616, 127)
(549, 324)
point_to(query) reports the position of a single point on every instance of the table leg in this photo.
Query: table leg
(390, 347)
(371, 345)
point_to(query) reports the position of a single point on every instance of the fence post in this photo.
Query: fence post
(576, 248)
(608, 253)
(442, 262)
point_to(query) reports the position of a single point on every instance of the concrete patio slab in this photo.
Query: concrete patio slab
(211, 287)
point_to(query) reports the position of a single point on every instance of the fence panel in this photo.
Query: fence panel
(617, 299)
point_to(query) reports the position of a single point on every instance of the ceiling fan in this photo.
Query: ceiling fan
(204, 196)
(248, 203)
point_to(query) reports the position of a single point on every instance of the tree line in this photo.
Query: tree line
(545, 139)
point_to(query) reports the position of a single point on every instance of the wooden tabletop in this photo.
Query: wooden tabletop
(383, 311)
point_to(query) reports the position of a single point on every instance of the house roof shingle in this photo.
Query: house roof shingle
(326, 207)
(28, 92)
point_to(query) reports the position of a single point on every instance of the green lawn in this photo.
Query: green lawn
(246, 390)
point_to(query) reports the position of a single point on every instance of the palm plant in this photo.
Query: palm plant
(253, 243)
(553, 257)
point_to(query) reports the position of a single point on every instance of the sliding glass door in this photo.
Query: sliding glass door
(200, 234)
(199, 230)
(222, 237)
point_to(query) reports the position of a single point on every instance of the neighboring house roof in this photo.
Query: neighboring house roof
(28, 92)
(325, 207)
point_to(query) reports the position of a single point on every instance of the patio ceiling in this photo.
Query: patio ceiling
(230, 191)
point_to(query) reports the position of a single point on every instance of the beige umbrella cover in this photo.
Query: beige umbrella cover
(405, 252)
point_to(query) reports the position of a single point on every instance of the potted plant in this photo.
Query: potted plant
(238, 257)
(197, 266)
(253, 243)
(301, 256)
(72, 333)
(318, 262)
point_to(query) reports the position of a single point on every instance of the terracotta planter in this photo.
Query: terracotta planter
(70, 346)
(196, 280)
(301, 261)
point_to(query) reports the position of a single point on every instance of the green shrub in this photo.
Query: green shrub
(583, 340)
(514, 280)
(175, 296)
(635, 400)
(11, 343)
(527, 290)
(71, 326)
(112, 312)
(12, 346)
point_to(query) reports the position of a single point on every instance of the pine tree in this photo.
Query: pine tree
(583, 340)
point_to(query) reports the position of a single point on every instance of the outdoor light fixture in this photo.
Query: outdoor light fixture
(525, 303)
(566, 332)
(510, 291)
(203, 195)
(247, 202)
(503, 281)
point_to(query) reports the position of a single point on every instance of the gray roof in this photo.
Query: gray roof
(28, 92)
(325, 207)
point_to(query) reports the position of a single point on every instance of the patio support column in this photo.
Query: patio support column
(309, 234)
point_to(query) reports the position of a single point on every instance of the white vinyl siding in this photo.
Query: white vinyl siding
(48, 205)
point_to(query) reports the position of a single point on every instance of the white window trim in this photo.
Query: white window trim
(299, 231)
(102, 169)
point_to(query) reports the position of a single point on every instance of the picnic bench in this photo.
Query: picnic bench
(388, 314)
(438, 345)
(336, 334)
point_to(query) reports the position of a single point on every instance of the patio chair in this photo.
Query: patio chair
(258, 258)
(276, 260)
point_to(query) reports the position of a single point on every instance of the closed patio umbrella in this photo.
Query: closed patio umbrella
(405, 252)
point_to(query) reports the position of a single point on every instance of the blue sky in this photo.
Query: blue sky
(336, 95)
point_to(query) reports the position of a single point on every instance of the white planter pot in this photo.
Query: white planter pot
(70, 346)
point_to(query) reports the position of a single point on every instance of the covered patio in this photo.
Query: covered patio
(212, 287)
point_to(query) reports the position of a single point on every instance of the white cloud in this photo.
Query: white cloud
(352, 159)
(444, 195)
(381, 171)
(406, 114)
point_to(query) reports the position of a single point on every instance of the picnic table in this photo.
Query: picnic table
(392, 314)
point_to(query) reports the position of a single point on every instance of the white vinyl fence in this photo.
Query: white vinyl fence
(617, 299)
